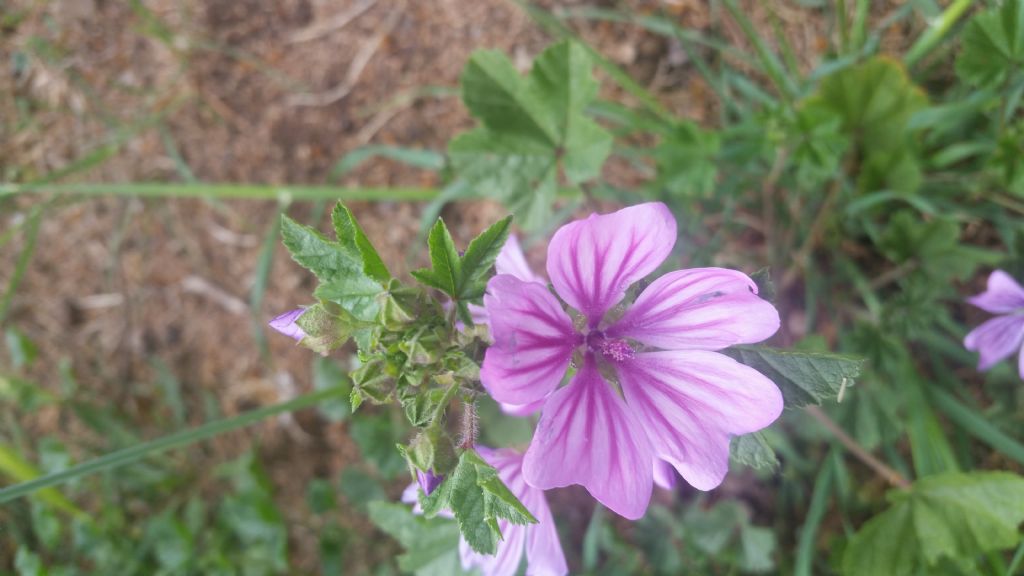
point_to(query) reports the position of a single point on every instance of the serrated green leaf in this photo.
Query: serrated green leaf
(477, 498)
(339, 270)
(431, 545)
(463, 277)
(481, 254)
(753, 450)
(952, 516)
(312, 250)
(351, 235)
(993, 44)
(446, 269)
(804, 377)
(529, 126)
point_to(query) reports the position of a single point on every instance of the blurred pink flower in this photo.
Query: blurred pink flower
(1000, 337)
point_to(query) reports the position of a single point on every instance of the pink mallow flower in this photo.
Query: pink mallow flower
(671, 396)
(1000, 337)
(511, 260)
(544, 556)
(286, 324)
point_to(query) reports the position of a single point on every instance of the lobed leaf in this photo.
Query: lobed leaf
(993, 44)
(339, 267)
(952, 516)
(530, 127)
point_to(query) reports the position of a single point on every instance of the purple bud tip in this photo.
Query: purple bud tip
(286, 324)
(428, 481)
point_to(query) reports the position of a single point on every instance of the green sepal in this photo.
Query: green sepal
(373, 382)
(327, 327)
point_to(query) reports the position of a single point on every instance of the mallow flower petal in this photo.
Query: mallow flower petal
(511, 260)
(533, 341)
(664, 474)
(521, 410)
(1002, 295)
(691, 403)
(544, 556)
(286, 324)
(592, 262)
(698, 309)
(996, 339)
(587, 436)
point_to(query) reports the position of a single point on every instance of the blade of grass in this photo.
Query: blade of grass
(259, 286)
(15, 466)
(860, 25)
(31, 235)
(248, 191)
(556, 28)
(415, 157)
(977, 425)
(658, 25)
(770, 64)
(1018, 557)
(815, 513)
(177, 440)
(936, 31)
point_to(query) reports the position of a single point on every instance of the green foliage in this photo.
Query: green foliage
(874, 101)
(954, 516)
(754, 451)
(338, 265)
(463, 277)
(706, 540)
(805, 378)
(532, 129)
(478, 499)
(431, 544)
(685, 159)
(993, 45)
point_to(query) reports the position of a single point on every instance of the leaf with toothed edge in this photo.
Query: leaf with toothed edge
(804, 378)
(478, 498)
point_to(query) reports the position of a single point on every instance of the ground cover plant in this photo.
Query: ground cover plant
(786, 339)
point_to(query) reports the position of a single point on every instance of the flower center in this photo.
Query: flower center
(613, 349)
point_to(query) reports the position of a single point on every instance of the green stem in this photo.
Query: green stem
(177, 440)
(249, 191)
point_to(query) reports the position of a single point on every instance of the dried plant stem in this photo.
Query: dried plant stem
(881, 468)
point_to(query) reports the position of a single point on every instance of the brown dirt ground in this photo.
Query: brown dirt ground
(227, 85)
